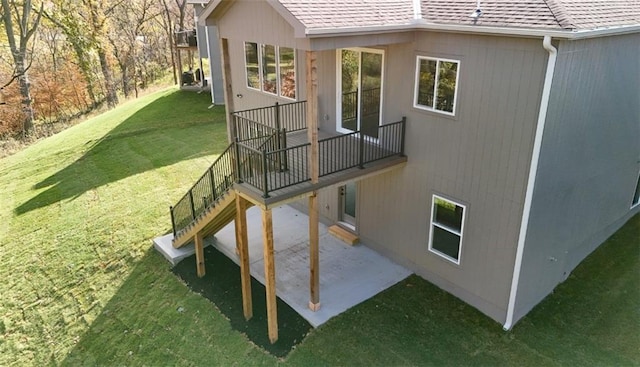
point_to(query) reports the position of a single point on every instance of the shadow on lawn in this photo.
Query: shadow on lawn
(153, 319)
(221, 285)
(136, 145)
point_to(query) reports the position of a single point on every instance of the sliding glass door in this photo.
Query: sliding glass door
(360, 75)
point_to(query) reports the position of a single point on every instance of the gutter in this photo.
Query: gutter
(533, 171)
(417, 25)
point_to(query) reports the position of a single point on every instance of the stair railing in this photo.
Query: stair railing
(214, 183)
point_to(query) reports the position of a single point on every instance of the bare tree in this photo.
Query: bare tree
(97, 13)
(168, 27)
(76, 33)
(27, 25)
(128, 39)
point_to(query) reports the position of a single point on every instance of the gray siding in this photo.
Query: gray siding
(480, 158)
(255, 21)
(589, 161)
(215, 65)
(211, 50)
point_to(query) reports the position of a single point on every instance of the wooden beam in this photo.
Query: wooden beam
(312, 114)
(228, 87)
(270, 275)
(314, 253)
(200, 268)
(179, 60)
(314, 169)
(242, 244)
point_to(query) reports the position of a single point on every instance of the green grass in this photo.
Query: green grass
(81, 284)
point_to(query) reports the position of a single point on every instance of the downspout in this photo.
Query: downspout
(533, 170)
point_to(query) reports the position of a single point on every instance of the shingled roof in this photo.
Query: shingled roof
(532, 14)
(350, 13)
(536, 14)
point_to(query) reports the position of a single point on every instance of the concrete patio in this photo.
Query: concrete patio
(348, 274)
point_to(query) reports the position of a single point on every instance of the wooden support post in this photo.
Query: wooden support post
(242, 245)
(314, 254)
(312, 114)
(179, 60)
(200, 268)
(314, 167)
(228, 88)
(270, 274)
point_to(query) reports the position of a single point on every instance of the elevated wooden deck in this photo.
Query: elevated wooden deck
(329, 159)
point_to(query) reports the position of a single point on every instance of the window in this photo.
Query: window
(269, 78)
(286, 60)
(447, 224)
(251, 62)
(636, 194)
(436, 84)
(271, 69)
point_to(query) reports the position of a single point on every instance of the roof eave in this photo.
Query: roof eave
(486, 30)
(208, 10)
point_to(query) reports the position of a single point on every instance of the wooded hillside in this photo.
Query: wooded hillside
(63, 58)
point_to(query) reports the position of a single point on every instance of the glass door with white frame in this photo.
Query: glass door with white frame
(348, 205)
(360, 75)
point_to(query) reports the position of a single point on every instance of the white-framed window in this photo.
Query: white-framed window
(636, 195)
(271, 69)
(447, 226)
(436, 86)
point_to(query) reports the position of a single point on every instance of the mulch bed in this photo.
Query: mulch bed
(221, 285)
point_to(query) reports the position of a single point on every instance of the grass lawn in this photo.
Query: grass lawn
(81, 284)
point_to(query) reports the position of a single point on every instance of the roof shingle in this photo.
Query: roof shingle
(533, 14)
(350, 13)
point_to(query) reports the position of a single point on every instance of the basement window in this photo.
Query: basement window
(447, 224)
(271, 69)
(436, 84)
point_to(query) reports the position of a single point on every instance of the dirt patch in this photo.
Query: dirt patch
(221, 285)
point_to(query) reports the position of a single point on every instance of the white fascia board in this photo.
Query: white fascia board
(204, 15)
(503, 31)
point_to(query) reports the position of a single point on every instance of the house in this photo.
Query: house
(203, 41)
(488, 146)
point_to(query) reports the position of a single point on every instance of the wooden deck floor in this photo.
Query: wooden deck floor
(340, 157)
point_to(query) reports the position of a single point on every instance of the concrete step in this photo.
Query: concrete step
(344, 234)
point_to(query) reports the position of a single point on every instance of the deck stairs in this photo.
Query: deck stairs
(210, 221)
(262, 164)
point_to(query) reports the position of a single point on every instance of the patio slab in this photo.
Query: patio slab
(349, 275)
(163, 245)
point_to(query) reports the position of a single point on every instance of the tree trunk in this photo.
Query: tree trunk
(125, 79)
(85, 69)
(25, 92)
(169, 29)
(110, 87)
(19, 52)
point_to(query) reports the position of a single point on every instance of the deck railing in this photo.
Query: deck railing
(263, 161)
(369, 104)
(289, 116)
(356, 149)
(263, 169)
(216, 180)
(186, 38)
